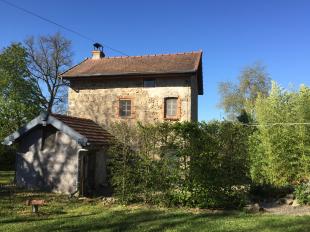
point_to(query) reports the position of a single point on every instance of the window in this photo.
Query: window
(149, 83)
(171, 106)
(124, 108)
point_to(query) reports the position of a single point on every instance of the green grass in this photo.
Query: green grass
(62, 214)
(6, 177)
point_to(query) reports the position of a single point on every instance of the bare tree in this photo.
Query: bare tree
(49, 56)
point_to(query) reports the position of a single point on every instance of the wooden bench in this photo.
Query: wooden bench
(35, 204)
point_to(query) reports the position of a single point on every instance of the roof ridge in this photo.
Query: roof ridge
(152, 55)
(68, 116)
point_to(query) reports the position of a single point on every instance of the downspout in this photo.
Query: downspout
(78, 182)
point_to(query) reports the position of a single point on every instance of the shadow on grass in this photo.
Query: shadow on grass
(62, 214)
(6, 177)
(155, 220)
(43, 217)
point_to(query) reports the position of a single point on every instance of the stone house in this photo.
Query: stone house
(136, 88)
(67, 153)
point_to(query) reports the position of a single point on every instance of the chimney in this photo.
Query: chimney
(98, 51)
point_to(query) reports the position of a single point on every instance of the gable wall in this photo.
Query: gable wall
(52, 168)
(99, 100)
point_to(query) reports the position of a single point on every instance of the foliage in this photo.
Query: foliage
(279, 149)
(137, 170)
(219, 166)
(7, 157)
(192, 164)
(302, 193)
(239, 98)
(263, 192)
(49, 56)
(18, 102)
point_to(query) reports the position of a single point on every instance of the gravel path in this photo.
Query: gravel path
(286, 209)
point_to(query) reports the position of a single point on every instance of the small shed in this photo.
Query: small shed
(61, 154)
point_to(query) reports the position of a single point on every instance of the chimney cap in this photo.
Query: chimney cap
(98, 46)
(98, 51)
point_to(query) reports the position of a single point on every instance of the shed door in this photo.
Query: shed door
(88, 168)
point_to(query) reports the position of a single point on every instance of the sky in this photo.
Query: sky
(233, 34)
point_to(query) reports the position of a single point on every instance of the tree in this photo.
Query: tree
(18, 101)
(280, 147)
(238, 99)
(48, 57)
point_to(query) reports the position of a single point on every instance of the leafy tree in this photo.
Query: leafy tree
(49, 56)
(280, 148)
(239, 99)
(18, 101)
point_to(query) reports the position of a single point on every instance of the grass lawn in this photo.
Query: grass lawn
(6, 177)
(62, 214)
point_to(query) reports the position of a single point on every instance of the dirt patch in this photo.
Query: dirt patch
(285, 209)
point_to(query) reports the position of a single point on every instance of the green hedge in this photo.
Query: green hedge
(188, 164)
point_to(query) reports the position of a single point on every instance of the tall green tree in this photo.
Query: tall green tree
(280, 147)
(18, 96)
(18, 101)
(238, 99)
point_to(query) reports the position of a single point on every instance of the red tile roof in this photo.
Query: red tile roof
(190, 62)
(94, 133)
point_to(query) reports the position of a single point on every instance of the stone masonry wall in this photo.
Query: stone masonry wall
(99, 99)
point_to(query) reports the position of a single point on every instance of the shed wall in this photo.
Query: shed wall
(48, 164)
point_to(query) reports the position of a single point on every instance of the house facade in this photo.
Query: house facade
(136, 89)
(68, 153)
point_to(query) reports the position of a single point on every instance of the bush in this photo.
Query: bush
(279, 149)
(188, 164)
(302, 193)
(262, 192)
(7, 158)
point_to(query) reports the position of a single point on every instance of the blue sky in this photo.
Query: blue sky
(231, 33)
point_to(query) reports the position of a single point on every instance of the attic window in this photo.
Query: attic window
(149, 83)
(124, 108)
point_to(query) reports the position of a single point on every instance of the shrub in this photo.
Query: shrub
(302, 193)
(279, 149)
(7, 158)
(266, 191)
(189, 164)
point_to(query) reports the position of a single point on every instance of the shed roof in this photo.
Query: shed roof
(179, 63)
(94, 133)
(84, 131)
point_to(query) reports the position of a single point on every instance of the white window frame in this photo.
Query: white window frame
(126, 108)
(171, 107)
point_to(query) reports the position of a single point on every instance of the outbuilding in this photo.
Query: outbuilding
(61, 154)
